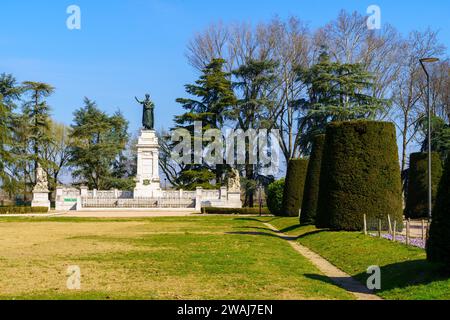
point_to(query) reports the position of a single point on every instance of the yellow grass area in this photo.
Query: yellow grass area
(158, 258)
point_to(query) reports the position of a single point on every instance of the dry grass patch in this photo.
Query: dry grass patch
(156, 258)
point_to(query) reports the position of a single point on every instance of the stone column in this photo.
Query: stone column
(84, 192)
(198, 199)
(223, 193)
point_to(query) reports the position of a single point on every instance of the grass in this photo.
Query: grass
(405, 272)
(156, 258)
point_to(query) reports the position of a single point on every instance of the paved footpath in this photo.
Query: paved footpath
(124, 214)
(336, 275)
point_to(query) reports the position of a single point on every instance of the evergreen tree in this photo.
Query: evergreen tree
(5, 138)
(37, 117)
(10, 93)
(211, 106)
(97, 142)
(255, 80)
(440, 136)
(335, 92)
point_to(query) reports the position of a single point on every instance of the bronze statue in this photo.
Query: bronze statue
(148, 115)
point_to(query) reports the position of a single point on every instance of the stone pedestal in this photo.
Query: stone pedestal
(40, 191)
(234, 199)
(40, 199)
(148, 184)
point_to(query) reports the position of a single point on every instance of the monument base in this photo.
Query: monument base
(147, 181)
(234, 199)
(153, 190)
(40, 199)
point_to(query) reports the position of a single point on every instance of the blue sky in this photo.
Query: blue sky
(130, 47)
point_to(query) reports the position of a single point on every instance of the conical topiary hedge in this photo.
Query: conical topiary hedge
(417, 190)
(275, 197)
(311, 193)
(438, 246)
(360, 175)
(294, 187)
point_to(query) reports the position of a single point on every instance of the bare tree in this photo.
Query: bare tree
(348, 40)
(408, 88)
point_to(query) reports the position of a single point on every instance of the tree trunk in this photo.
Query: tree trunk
(249, 194)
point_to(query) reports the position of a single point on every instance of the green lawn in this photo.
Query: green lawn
(405, 272)
(159, 258)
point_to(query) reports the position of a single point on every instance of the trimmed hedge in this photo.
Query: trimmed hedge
(360, 175)
(23, 210)
(248, 211)
(417, 191)
(438, 245)
(275, 196)
(311, 194)
(294, 187)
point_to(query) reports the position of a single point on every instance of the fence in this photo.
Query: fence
(77, 199)
(409, 232)
(137, 203)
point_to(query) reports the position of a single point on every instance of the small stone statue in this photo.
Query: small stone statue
(148, 116)
(234, 181)
(41, 180)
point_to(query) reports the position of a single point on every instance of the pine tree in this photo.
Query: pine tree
(97, 142)
(335, 92)
(9, 93)
(211, 106)
(37, 116)
(255, 80)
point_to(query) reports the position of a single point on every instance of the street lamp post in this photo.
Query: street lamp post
(430, 191)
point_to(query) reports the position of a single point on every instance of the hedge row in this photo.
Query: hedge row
(247, 211)
(294, 187)
(275, 197)
(438, 245)
(311, 194)
(417, 190)
(23, 210)
(360, 174)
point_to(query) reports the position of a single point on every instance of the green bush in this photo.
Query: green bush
(417, 190)
(360, 175)
(294, 187)
(23, 210)
(311, 194)
(438, 246)
(275, 196)
(248, 211)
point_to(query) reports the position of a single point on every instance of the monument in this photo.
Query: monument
(148, 184)
(234, 189)
(40, 191)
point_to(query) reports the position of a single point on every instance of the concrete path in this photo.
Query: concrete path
(336, 275)
(124, 214)
(32, 215)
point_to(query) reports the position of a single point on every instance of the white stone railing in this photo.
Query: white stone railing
(74, 199)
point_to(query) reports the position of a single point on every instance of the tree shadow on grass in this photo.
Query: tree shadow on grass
(408, 273)
(257, 219)
(341, 282)
(256, 233)
(272, 233)
(402, 275)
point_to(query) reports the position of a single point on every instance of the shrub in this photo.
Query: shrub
(294, 187)
(438, 246)
(417, 191)
(249, 211)
(311, 194)
(22, 210)
(360, 175)
(275, 196)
